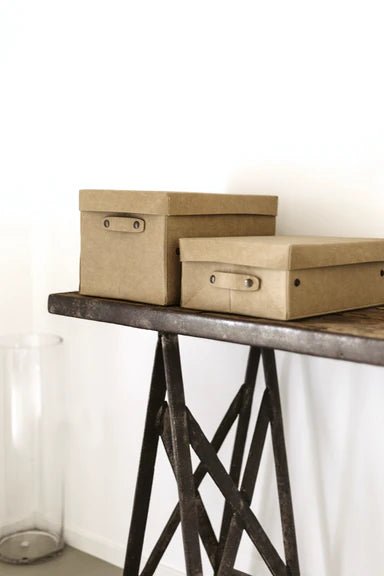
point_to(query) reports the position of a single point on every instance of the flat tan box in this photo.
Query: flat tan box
(282, 277)
(130, 239)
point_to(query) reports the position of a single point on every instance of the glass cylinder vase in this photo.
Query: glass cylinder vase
(31, 447)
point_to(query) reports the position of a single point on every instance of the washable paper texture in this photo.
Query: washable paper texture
(142, 263)
(288, 276)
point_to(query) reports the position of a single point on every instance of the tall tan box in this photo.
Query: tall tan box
(282, 277)
(130, 239)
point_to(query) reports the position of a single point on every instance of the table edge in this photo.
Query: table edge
(235, 329)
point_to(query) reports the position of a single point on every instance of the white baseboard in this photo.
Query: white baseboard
(106, 550)
(166, 571)
(95, 546)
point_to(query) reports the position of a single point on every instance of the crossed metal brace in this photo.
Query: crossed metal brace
(179, 431)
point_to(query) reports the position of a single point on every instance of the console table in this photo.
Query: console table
(357, 336)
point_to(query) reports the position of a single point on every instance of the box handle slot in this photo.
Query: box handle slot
(233, 281)
(124, 224)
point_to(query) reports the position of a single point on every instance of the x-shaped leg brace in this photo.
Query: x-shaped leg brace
(179, 430)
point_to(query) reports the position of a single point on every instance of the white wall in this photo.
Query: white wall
(264, 97)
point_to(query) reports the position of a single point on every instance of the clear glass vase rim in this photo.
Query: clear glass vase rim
(29, 340)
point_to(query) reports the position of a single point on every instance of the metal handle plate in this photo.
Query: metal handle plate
(234, 281)
(124, 224)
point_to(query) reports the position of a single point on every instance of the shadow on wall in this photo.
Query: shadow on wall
(315, 203)
(332, 415)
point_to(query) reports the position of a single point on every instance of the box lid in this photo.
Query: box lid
(175, 203)
(283, 252)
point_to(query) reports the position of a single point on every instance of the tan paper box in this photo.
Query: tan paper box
(130, 239)
(282, 277)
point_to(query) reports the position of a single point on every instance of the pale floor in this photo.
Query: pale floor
(70, 563)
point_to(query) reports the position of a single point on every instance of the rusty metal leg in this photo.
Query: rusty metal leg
(281, 464)
(180, 431)
(240, 440)
(173, 522)
(238, 503)
(146, 468)
(236, 527)
(206, 531)
(181, 455)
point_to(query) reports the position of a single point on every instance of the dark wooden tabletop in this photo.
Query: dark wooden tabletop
(357, 335)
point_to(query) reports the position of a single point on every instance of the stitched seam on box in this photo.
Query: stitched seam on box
(287, 289)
